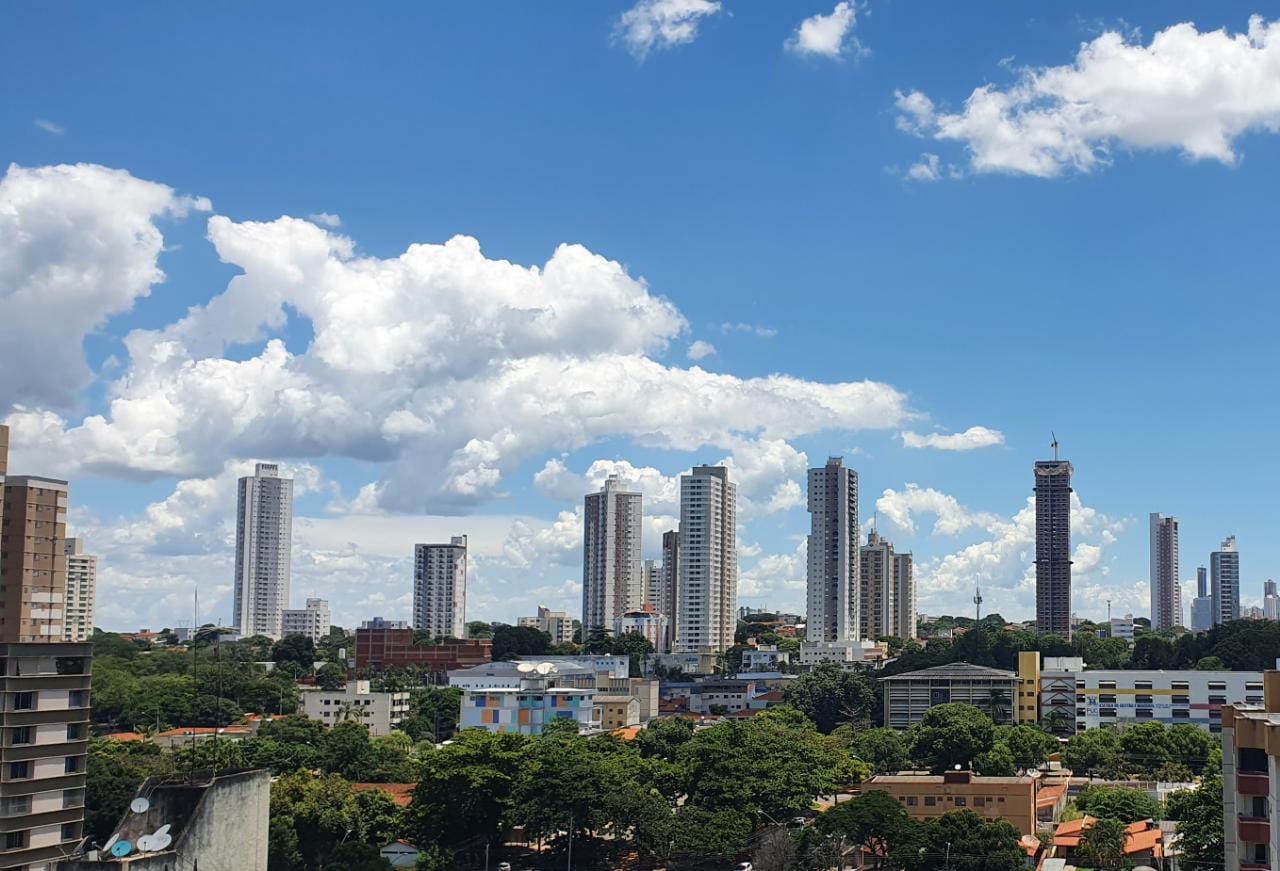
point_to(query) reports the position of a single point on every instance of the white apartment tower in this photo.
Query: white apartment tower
(904, 596)
(1224, 581)
(1166, 598)
(440, 588)
(264, 546)
(832, 573)
(82, 581)
(886, 591)
(312, 621)
(612, 568)
(707, 595)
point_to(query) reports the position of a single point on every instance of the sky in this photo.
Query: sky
(453, 264)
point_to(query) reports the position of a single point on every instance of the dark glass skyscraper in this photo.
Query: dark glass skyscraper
(1053, 547)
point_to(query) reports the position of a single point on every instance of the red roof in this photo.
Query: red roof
(126, 736)
(401, 793)
(1140, 837)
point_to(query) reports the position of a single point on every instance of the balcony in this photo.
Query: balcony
(1252, 784)
(1254, 831)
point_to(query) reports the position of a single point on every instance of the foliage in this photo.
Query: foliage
(298, 650)
(512, 641)
(357, 857)
(885, 750)
(963, 841)
(832, 696)
(115, 770)
(1094, 752)
(996, 762)
(1103, 842)
(709, 834)
(950, 735)
(1030, 747)
(1211, 663)
(1199, 816)
(330, 676)
(323, 813)
(875, 820)
(1118, 803)
(664, 737)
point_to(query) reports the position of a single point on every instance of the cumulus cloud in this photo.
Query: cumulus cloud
(752, 329)
(50, 127)
(661, 24)
(78, 244)
(777, 579)
(1189, 91)
(971, 439)
(899, 507)
(700, 349)
(661, 492)
(829, 35)
(926, 169)
(324, 219)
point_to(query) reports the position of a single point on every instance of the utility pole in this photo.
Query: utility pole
(977, 603)
(569, 865)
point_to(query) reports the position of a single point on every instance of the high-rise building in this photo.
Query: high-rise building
(904, 595)
(708, 585)
(82, 581)
(1202, 604)
(612, 569)
(877, 600)
(33, 562)
(652, 574)
(1270, 601)
(312, 621)
(832, 575)
(4, 463)
(440, 588)
(1224, 581)
(557, 624)
(1165, 604)
(264, 550)
(668, 597)
(1053, 547)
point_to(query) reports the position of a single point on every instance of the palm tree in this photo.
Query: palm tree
(351, 710)
(998, 704)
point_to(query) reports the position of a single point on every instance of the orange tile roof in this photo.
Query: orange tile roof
(401, 793)
(126, 736)
(626, 733)
(188, 731)
(1140, 837)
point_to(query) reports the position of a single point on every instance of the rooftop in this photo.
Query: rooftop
(401, 793)
(955, 671)
(941, 778)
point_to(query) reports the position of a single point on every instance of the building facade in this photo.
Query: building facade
(708, 594)
(929, 796)
(1251, 781)
(908, 696)
(1053, 547)
(612, 568)
(82, 582)
(646, 622)
(1165, 602)
(358, 703)
(557, 624)
(45, 721)
(440, 588)
(886, 591)
(381, 649)
(832, 573)
(33, 560)
(1202, 604)
(264, 551)
(528, 708)
(904, 595)
(313, 621)
(1224, 581)
(667, 597)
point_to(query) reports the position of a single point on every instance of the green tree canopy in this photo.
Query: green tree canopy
(298, 650)
(874, 820)
(831, 696)
(950, 735)
(1102, 843)
(1118, 803)
(512, 641)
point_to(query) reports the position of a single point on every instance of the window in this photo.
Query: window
(911, 801)
(1142, 700)
(1143, 713)
(19, 770)
(1142, 685)
(20, 735)
(78, 699)
(1217, 685)
(72, 798)
(70, 831)
(1106, 684)
(1107, 712)
(1180, 714)
(1217, 700)
(15, 840)
(18, 805)
(930, 801)
(1106, 699)
(1253, 687)
(24, 701)
(979, 801)
(1182, 700)
(1180, 685)
(960, 801)
(73, 764)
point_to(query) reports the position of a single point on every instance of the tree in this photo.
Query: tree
(479, 629)
(1103, 842)
(950, 735)
(664, 737)
(111, 644)
(345, 750)
(1154, 652)
(298, 650)
(1118, 803)
(564, 787)
(357, 857)
(874, 820)
(115, 770)
(1031, 747)
(330, 677)
(996, 762)
(831, 696)
(885, 750)
(1211, 663)
(709, 834)
(775, 852)
(510, 642)
(322, 812)
(1093, 752)
(1199, 815)
(213, 711)
(998, 704)
(963, 841)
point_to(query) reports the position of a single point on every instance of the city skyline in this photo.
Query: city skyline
(463, 307)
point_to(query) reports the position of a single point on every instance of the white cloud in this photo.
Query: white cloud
(324, 219)
(758, 331)
(926, 169)
(661, 24)
(1190, 91)
(900, 506)
(829, 35)
(767, 472)
(661, 492)
(50, 127)
(971, 439)
(700, 349)
(78, 244)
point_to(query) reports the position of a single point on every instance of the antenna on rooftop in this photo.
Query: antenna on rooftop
(977, 603)
(1054, 445)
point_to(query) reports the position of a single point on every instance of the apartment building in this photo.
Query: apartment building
(528, 707)
(1224, 581)
(33, 562)
(708, 593)
(313, 621)
(440, 588)
(667, 596)
(82, 582)
(612, 568)
(1251, 780)
(264, 550)
(1166, 605)
(832, 569)
(908, 696)
(1073, 699)
(357, 702)
(928, 796)
(557, 624)
(646, 622)
(43, 754)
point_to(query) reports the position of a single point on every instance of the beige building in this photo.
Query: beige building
(82, 583)
(45, 723)
(926, 796)
(616, 711)
(33, 565)
(612, 566)
(1251, 780)
(356, 702)
(557, 624)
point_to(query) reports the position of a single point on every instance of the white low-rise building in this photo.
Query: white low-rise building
(817, 652)
(380, 712)
(764, 658)
(647, 623)
(312, 621)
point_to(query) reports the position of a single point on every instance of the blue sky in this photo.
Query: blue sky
(1111, 285)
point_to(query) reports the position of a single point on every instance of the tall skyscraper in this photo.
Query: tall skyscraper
(904, 595)
(1165, 601)
(612, 568)
(668, 597)
(1224, 581)
(440, 588)
(1053, 546)
(82, 583)
(652, 574)
(832, 575)
(1202, 604)
(33, 562)
(1270, 601)
(708, 584)
(877, 599)
(264, 550)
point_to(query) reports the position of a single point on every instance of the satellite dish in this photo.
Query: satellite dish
(121, 849)
(957, 766)
(525, 667)
(161, 842)
(144, 844)
(111, 842)
(545, 668)
(140, 805)
(163, 830)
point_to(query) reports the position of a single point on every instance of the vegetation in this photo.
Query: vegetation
(1117, 803)
(832, 696)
